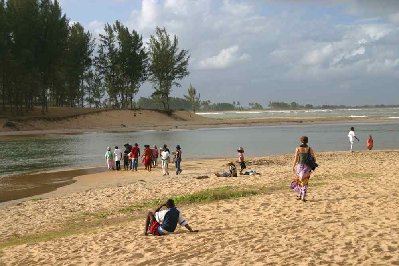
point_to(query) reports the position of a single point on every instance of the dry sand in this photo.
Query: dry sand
(351, 217)
(129, 120)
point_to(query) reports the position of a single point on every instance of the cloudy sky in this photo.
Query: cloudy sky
(308, 51)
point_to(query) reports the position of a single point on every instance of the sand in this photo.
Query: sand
(128, 120)
(351, 217)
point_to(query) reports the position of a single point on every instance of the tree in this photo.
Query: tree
(193, 98)
(78, 61)
(168, 65)
(132, 60)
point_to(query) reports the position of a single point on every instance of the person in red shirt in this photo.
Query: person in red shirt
(134, 155)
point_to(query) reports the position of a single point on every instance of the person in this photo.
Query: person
(109, 157)
(126, 160)
(147, 157)
(155, 155)
(134, 155)
(165, 158)
(301, 170)
(165, 148)
(162, 222)
(370, 143)
(178, 159)
(352, 137)
(241, 160)
(118, 158)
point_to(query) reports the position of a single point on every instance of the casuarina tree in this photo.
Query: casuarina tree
(193, 98)
(168, 65)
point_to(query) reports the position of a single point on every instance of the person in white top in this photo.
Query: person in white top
(118, 157)
(352, 137)
(165, 157)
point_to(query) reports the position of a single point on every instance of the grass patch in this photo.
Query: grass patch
(89, 222)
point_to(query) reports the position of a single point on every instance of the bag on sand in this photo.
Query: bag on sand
(310, 161)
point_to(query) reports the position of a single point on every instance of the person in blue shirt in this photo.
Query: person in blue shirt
(162, 222)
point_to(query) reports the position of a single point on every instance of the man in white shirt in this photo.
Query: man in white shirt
(165, 157)
(162, 222)
(352, 137)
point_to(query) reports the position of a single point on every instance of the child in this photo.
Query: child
(118, 157)
(370, 143)
(352, 137)
(241, 159)
(109, 157)
(232, 169)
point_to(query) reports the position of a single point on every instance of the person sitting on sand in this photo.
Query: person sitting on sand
(300, 169)
(162, 222)
(352, 137)
(109, 157)
(241, 159)
(370, 143)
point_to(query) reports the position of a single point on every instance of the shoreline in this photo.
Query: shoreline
(55, 183)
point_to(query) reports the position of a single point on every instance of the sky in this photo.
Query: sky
(305, 51)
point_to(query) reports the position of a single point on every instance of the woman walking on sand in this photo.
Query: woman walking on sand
(370, 143)
(300, 169)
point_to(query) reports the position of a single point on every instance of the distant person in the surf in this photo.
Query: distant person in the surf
(370, 143)
(109, 158)
(352, 137)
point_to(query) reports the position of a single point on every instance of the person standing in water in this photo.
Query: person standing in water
(370, 143)
(352, 137)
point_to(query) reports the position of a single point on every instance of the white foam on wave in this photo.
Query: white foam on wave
(318, 111)
(393, 117)
(247, 112)
(208, 113)
(358, 116)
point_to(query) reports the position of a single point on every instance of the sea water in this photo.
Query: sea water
(27, 154)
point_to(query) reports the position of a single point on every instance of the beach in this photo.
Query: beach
(351, 216)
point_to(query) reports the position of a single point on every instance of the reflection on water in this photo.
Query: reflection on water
(43, 153)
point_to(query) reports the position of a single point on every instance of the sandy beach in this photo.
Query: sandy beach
(129, 120)
(351, 217)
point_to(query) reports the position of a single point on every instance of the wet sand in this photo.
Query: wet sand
(22, 186)
(351, 217)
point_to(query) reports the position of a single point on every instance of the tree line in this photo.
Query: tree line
(46, 60)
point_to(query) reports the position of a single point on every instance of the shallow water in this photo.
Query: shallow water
(27, 154)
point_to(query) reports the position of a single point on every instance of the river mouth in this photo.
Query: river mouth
(28, 185)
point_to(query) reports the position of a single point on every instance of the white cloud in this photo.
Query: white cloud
(225, 58)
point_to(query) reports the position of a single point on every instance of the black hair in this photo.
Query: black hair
(170, 203)
(352, 128)
(116, 147)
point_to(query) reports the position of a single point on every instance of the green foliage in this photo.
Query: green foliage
(168, 65)
(193, 98)
(174, 103)
(255, 106)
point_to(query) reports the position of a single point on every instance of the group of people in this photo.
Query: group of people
(130, 157)
(352, 136)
